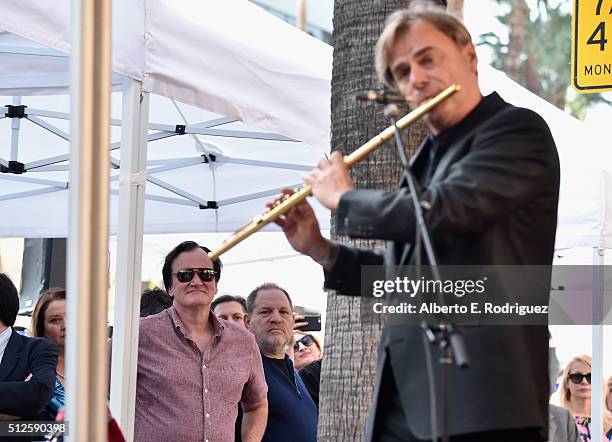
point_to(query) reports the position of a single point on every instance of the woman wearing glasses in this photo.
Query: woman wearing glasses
(305, 350)
(307, 354)
(576, 396)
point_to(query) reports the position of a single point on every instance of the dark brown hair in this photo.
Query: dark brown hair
(9, 301)
(186, 246)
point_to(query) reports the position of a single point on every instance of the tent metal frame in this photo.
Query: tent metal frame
(153, 167)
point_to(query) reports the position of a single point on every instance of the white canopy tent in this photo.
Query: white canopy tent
(195, 182)
(264, 85)
(230, 57)
(275, 83)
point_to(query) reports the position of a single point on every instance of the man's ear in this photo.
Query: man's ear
(247, 321)
(472, 57)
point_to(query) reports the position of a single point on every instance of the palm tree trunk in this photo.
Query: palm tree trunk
(351, 340)
(518, 21)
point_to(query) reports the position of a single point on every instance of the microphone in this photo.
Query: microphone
(382, 98)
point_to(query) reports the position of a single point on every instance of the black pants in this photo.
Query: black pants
(391, 424)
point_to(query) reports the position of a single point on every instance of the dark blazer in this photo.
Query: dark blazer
(494, 196)
(25, 356)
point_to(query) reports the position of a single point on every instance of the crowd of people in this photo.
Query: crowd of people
(244, 374)
(226, 359)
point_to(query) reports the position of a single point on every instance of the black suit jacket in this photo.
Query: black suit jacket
(494, 197)
(25, 356)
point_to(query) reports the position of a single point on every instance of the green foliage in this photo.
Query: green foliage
(544, 65)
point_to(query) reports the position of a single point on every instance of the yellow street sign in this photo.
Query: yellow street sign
(592, 46)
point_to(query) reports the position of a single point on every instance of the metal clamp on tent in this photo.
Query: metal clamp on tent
(210, 205)
(180, 129)
(209, 158)
(13, 167)
(15, 111)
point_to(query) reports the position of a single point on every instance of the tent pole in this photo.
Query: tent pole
(15, 126)
(597, 391)
(87, 273)
(129, 254)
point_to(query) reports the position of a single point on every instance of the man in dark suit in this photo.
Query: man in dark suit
(27, 365)
(490, 174)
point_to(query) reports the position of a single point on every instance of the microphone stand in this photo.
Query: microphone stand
(442, 334)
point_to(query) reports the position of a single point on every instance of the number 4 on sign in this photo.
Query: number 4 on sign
(600, 29)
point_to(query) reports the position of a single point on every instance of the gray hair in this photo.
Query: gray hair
(401, 21)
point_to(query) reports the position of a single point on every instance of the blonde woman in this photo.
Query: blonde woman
(576, 396)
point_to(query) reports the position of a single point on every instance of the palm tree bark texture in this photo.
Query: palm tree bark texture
(351, 339)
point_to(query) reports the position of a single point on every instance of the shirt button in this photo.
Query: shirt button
(207, 415)
(206, 390)
(203, 365)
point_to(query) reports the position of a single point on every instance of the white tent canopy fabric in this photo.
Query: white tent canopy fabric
(249, 66)
(222, 171)
(264, 85)
(214, 178)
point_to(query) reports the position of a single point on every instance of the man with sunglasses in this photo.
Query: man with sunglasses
(194, 369)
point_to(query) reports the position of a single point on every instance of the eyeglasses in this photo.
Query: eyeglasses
(576, 378)
(306, 341)
(186, 274)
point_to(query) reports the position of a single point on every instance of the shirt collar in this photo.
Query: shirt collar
(218, 326)
(481, 112)
(5, 336)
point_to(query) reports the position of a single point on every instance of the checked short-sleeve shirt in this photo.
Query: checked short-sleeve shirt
(187, 395)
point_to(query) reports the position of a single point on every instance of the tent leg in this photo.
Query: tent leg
(129, 254)
(15, 127)
(87, 275)
(597, 368)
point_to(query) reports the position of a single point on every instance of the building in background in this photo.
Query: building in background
(319, 15)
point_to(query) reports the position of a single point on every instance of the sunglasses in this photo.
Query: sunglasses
(306, 341)
(186, 275)
(576, 378)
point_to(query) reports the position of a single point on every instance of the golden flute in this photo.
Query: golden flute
(271, 214)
